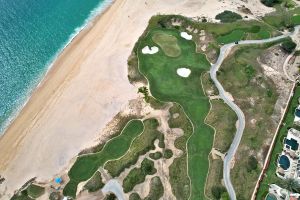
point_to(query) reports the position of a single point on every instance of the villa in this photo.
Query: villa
(278, 193)
(288, 164)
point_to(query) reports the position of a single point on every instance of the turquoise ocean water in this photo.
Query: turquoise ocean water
(32, 33)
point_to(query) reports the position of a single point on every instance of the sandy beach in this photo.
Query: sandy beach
(85, 88)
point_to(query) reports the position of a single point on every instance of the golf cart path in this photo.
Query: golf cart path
(224, 51)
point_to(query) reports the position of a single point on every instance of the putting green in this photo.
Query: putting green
(168, 43)
(166, 85)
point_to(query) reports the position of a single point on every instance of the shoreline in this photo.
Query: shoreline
(88, 23)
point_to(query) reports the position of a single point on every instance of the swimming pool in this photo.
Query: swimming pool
(284, 162)
(270, 197)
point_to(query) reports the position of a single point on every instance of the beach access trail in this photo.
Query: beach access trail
(85, 88)
(224, 51)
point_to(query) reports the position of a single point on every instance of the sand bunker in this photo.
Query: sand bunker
(151, 50)
(184, 72)
(186, 36)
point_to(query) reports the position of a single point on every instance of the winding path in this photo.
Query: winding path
(241, 117)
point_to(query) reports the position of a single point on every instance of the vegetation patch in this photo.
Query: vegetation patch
(35, 191)
(134, 196)
(168, 153)
(256, 95)
(235, 35)
(270, 3)
(179, 178)
(223, 119)
(95, 183)
(168, 43)
(288, 46)
(228, 16)
(138, 175)
(140, 146)
(86, 165)
(155, 156)
(156, 189)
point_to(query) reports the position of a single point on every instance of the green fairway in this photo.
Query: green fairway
(86, 165)
(168, 43)
(235, 35)
(166, 85)
(35, 191)
(141, 145)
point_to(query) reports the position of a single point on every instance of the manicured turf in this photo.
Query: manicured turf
(296, 19)
(166, 85)
(86, 165)
(270, 176)
(168, 43)
(235, 35)
(35, 191)
(141, 145)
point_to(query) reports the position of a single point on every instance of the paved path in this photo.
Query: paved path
(241, 117)
(114, 187)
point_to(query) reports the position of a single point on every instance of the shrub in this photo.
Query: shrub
(95, 183)
(228, 16)
(251, 163)
(168, 153)
(270, 3)
(288, 46)
(155, 156)
(217, 191)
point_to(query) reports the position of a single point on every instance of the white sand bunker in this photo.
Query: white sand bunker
(183, 72)
(186, 36)
(150, 50)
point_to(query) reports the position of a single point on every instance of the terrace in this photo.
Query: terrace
(297, 115)
(278, 193)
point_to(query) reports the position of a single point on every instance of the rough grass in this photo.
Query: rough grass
(156, 189)
(86, 165)
(270, 176)
(138, 175)
(141, 145)
(283, 18)
(223, 119)
(95, 183)
(166, 85)
(179, 179)
(248, 82)
(168, 43)
(215, 176)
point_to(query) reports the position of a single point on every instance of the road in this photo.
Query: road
(241, 117)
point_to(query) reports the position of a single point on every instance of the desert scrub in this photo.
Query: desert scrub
(228, 16)
(95, 183)
(138, 175)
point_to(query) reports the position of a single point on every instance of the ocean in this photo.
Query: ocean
(32, 34)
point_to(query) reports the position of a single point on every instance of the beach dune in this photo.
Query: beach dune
(84, 89)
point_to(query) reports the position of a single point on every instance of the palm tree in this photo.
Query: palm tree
(291, 185)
